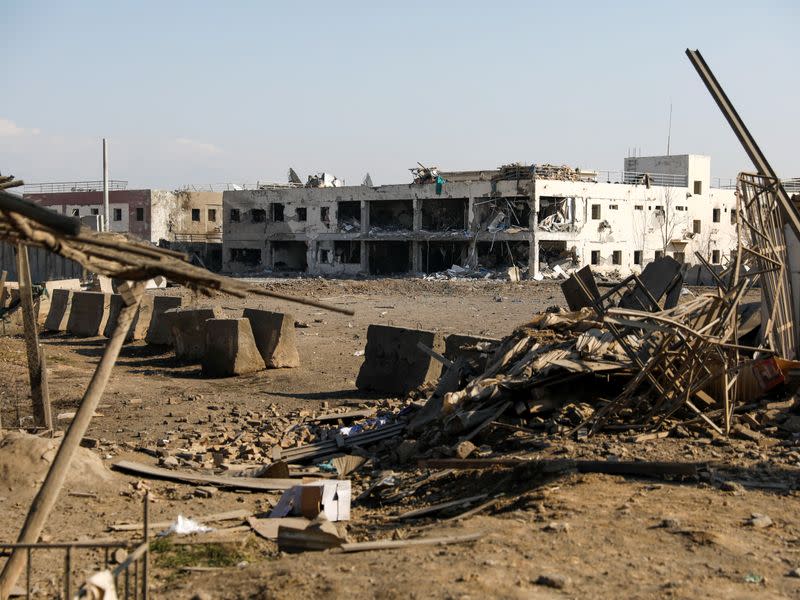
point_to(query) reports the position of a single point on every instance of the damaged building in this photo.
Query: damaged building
(536, 217)
(183, 220)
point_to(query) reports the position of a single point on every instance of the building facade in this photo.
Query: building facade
(533, 216)
(187, 221)
(153, 215)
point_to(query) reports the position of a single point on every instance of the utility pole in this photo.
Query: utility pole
(669, 128)
(106, 217)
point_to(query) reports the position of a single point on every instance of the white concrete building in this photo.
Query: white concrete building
(531, 216)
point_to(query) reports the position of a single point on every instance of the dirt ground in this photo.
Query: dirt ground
(578, 536)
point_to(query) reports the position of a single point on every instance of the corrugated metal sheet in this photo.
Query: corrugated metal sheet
(44, 264)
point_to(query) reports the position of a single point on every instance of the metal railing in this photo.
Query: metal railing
(792, 186)
(211, 236)
(626, 177)
(637, 178)
(133, 570)
(723, 183)
(73, 186)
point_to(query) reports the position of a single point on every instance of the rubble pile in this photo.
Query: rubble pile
(479, 272)
(563, 173)
(633, 358)
(235, 440)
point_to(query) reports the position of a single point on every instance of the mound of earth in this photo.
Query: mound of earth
(25, 459)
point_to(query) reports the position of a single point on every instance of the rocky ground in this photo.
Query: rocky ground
(563, 535)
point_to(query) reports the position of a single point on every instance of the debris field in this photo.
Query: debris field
(171, 432)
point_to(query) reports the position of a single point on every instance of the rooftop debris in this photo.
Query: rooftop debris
(423, 174)
(563, 173)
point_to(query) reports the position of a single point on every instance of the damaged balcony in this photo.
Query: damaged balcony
(508, 214)
(389, 257)
(438, 256)
(348, 216)
(556, 214)
(289, 256)
(502, 254)
(245, 258)
(444, 214)
(390, 216)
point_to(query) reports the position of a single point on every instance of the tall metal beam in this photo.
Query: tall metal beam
(788, 212)
(748, 142)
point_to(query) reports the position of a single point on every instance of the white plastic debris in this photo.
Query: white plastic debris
(183, 526)
(358, 353)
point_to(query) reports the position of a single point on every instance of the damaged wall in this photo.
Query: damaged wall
(340, 224)
(614, 226)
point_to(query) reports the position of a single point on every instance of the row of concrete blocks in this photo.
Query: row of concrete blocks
(224, 347)
(394, 364)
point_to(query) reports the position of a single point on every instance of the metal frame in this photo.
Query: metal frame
(139, 554)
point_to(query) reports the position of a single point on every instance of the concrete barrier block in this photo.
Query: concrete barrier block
(275, 337)
(158, 332)
(46, 298)
(140, 323)
(474, 349)
(60, 306)
(188, 329)
(230, 348)
(392, 362)
(88, 314)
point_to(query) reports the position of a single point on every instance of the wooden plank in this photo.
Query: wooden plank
(3, 277)
(394, 544)
(227, 535)
(350, 414)
(637, 468)
(231, 515)
(435, 355)
(239, 483)
(500, 410)
(435, 508)
(475, 510)
(36, 373)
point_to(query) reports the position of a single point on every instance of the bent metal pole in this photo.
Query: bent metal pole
(47, 496)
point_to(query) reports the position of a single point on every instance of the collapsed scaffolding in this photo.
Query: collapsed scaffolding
(672, 364)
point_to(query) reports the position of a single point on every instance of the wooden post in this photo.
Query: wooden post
(47, 496)
(3, 276)
(36, 373)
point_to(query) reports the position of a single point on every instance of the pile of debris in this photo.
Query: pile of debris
(479, 272)
(563, 173)
(423, 174)
(654, 364)
(242, 442)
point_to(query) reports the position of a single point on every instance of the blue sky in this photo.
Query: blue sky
(201, 92)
